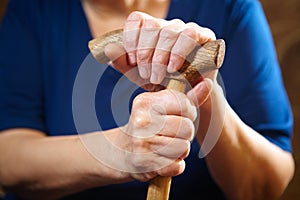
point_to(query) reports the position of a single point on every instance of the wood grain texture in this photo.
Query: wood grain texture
(159, 188)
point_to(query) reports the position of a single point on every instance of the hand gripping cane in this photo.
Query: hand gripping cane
(204, 58)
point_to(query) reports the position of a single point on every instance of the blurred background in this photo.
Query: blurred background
(284, 20)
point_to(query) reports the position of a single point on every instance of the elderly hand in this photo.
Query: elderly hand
(155, 46)
(160, 130)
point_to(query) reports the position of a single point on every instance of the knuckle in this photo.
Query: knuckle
(192, 25)
(142, 56)
(160, 57)
(141, 120)
(210, 34)
(191, 32)
(199, 33)
(142, 102)
(135, 16)
(175, 25)
(177, 22)
(169, 33)
(142, 164)
(206, 34)
(173, 28)
(151, 23)
(140, 112)
(133, 23)
(138, 162)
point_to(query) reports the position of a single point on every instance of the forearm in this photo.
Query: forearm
(36, 166)
(245, 164)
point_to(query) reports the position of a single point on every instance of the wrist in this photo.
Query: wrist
(99, 159)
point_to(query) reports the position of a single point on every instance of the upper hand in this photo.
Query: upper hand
(155, 46)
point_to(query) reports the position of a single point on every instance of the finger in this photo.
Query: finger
(175, 168)
(147, 41)
(200, 93)
(171, 102)
(117, 54)
(170, 147)
(185, 43)
(165, 102)
(143, 177)
(204, 34)
(177, 127)
(167, 38)
(191, 36)
(147, 125)
(131, 34)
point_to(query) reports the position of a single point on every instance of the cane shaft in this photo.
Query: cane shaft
(159, 187)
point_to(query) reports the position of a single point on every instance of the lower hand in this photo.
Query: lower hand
(159, 133)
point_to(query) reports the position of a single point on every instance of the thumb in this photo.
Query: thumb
(117, 54)
(200, 93)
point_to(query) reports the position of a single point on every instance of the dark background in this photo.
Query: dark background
(284, 20)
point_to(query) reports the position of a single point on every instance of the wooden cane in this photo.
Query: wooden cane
(204, 58)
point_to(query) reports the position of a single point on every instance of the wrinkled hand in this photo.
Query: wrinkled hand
(160, 130)
(155, 46)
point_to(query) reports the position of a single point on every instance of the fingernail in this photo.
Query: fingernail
(196, 91)
(144, 72)
(155, 79)
(171, 67)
